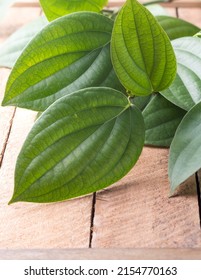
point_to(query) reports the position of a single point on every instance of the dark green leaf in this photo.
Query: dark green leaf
(142, 54)
(185, 91)
(69, 54)
(185, 150)
(56, 8)
(161, 119)
(11, 49)
(142, 101)
(176, 28)
(82, 143)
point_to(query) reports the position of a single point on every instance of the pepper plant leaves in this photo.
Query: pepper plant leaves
(185, 150)
(142, 54)
(185, 90)
(69, 54)
(11, 49)
(56, 8)
(82, 143)
(161, 119)
(176, 28)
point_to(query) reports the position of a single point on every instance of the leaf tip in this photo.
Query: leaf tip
(13, 200)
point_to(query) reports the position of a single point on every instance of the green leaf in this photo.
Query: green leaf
(161, 119)
(156, 9)
(185, 91)
(142, 54)
(11, 49)
(142, 101)
(177, 28)
(82, 143)
(57, 8)
(185, 150)
(69, 54)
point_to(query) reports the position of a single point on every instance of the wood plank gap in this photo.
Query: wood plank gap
(177, 12)
(6, 139)
(198, 195)
(93, 210)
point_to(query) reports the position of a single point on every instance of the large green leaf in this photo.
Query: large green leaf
(142, 54)
(185, 150)
(185, 91)
(82, 143)
(70, 53)
(56, 8)
(176, 28)
(161, 119)
(11, 49)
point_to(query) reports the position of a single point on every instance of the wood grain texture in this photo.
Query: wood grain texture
(15, 18)
(137, 212)
(117, 3)
(102, 254)
(171, 3)
(6, 115)
(193, 15)
(27, 225)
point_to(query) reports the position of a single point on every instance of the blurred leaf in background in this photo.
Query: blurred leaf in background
(4, 4)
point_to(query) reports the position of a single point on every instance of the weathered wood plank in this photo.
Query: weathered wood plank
(137, 212)
(23, 225)
(102, 254)
(15, 18)
(117, 3)
(192, 15)
(6, 115)
(173, 3)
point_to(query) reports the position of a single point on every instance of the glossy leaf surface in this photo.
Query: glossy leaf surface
(177, 28)
(69, 54)
(11, 49)
(57, 8)
(82, 143)
(161, 119)
(185, 91)
(185, 150)
(142, 54)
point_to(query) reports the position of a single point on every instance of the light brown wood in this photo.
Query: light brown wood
(23, 225)
(137, 212)
(6, 115)
(118, 3)
(15, 18)
(173, 3)
(102, 254)
(193, 15)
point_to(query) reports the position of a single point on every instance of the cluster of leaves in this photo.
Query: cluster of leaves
(106, 87)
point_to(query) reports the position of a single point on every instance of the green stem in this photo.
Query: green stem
(156, 2)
